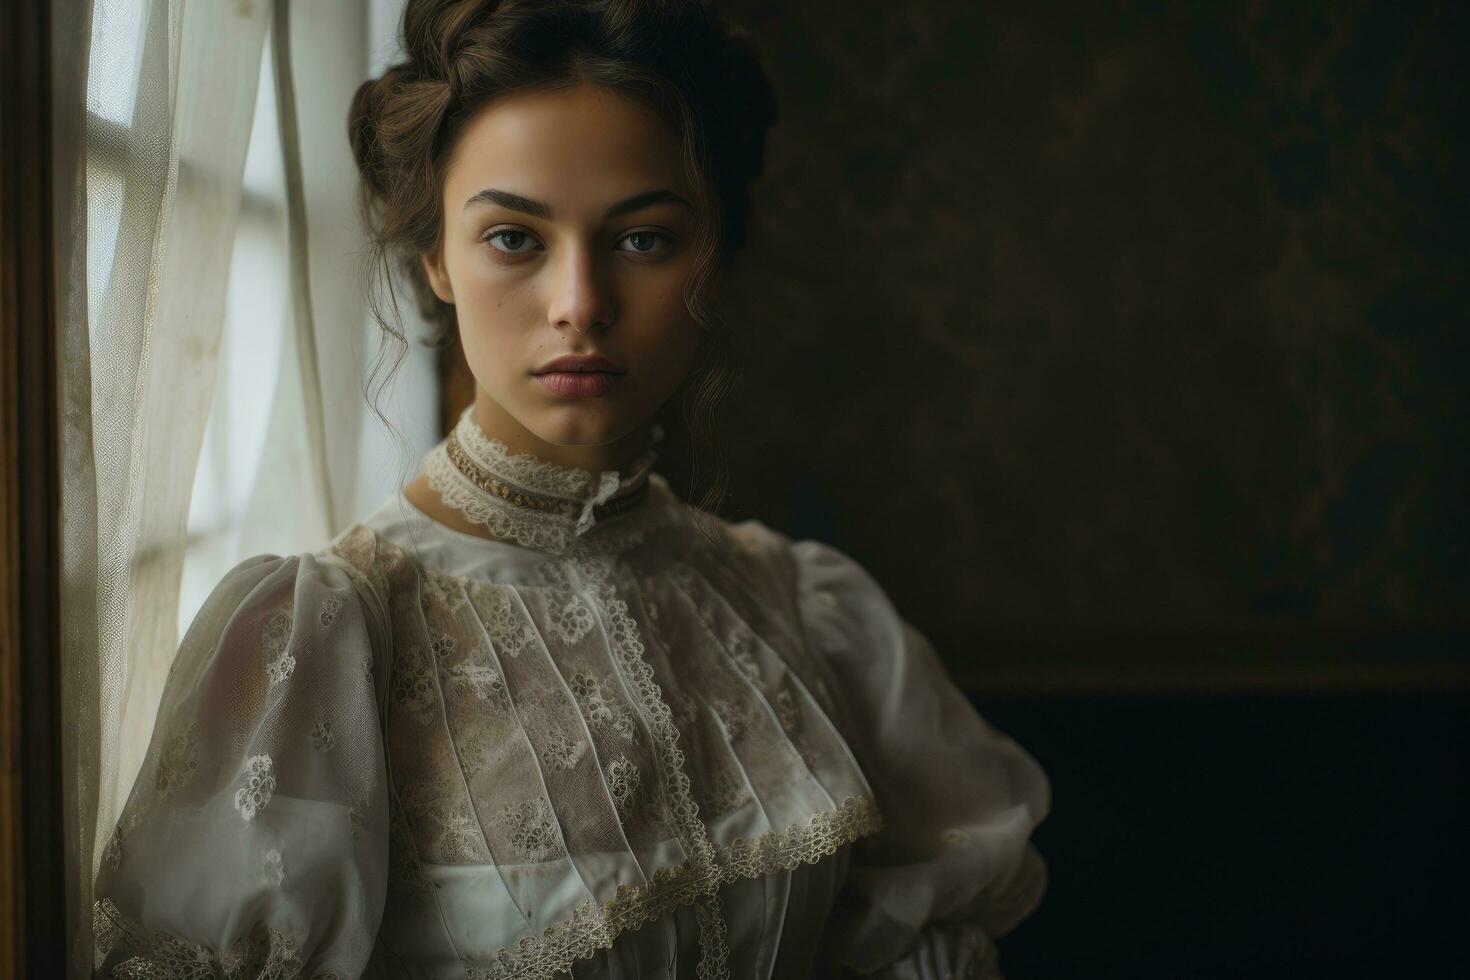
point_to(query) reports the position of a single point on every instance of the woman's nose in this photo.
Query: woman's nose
(582, 297)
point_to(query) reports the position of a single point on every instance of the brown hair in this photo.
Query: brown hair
(677, 57)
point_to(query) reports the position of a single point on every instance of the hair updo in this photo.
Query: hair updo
(678, 58)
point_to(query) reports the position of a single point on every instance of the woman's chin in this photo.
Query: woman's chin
(581, 426)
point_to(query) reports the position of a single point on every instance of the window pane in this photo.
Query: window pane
(112, 69)
(120, 34)
(104, 214)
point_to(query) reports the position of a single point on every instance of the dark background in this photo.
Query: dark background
(1125, 344)
(1125, 313)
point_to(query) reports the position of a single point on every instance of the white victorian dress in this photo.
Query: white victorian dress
(605, 746)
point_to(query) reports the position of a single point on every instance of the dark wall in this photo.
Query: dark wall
(1127, 313)
(1125, 344)
(1230, 836)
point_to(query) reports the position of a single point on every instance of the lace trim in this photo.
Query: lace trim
(593, 927)
(587, 533)
(530, 500)
(531, 472)
(263, 953)
(714, 938)
(612, 497)
(797, 845)
(629, 651)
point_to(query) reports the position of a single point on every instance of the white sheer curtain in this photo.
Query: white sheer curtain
(257, 488)
(194, 293)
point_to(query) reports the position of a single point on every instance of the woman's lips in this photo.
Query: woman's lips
(579, 383)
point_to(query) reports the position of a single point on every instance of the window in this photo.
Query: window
(239, 485)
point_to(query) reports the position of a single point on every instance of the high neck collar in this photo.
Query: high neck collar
(527, 499)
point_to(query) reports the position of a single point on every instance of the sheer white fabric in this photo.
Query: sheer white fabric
(626, 752)
(156, 103)
(159, 136)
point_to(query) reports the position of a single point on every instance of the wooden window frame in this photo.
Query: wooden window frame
(32, 848)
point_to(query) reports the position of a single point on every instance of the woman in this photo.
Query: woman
(537, 716)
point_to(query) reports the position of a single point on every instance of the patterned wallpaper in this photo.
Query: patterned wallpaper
(1083, 313)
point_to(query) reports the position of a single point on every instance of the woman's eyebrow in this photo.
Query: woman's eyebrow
(540, 209)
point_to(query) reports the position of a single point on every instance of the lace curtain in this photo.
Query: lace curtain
(215, 343)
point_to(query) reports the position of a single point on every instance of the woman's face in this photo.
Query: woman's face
(568, 229)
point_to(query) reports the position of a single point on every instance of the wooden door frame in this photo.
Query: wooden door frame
(32, 856)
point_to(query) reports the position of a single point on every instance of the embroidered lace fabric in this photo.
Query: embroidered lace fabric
(263, 952)
(612, 748)
(580, 490)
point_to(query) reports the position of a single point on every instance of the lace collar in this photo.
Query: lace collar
(527, 499)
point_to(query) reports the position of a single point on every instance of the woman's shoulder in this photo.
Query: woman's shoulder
(826, 580)
(382, 564)
(364, 549)
(284, 596)
(323, 578)
(838, 605)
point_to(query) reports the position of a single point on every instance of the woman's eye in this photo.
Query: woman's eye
(645, 242)
(512, 239)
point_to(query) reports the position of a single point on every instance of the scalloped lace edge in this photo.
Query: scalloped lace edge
(593, 927)
(557, 534)
(531, 472)
(262, 953)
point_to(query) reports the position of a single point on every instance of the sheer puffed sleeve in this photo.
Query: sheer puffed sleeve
(954, 867)
(254, 842)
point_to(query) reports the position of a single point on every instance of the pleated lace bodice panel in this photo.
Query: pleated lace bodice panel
(602, 737)
(616, 749)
